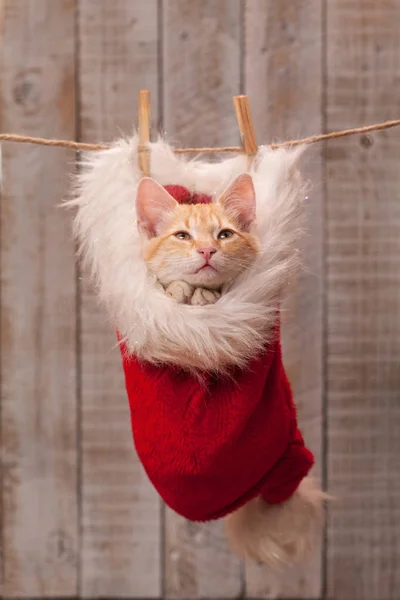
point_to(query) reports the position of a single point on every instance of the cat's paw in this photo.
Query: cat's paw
(180, 291)
(202, 296)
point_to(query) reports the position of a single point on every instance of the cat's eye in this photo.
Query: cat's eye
(183, 235)
(225, 234)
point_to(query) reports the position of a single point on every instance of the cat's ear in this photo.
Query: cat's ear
(153, 204)
(239, 200)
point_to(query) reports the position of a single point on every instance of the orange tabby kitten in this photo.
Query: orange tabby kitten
(194, 249)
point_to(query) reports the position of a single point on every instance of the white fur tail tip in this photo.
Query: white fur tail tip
(279, 534)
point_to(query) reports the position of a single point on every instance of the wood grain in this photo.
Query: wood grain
(201, 56)
(246, 126)
(116, 546)
(363, 342)
(201, 74)
(144, 120)
(283, 79)
(38, 298)
(120, 510)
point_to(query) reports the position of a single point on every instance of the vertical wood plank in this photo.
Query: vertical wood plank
(201, 55)
(38, 299)
(363, 252)
(120, 510)
(283, 78)
(201, 75)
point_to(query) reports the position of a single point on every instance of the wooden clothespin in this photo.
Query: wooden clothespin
(144, 132)
(243, 115)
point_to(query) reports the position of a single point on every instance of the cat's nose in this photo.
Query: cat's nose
(207, 252)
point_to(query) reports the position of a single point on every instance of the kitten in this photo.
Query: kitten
(194, 249)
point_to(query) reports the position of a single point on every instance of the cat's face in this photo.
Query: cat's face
(205, 245)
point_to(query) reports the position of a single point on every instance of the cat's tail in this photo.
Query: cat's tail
(279, 534)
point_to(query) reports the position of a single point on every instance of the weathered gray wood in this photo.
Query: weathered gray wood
(363, 337)
(201, 74)
(38, 388)
(284, 81)
(201, 56)
(120, 510)
(121, 529)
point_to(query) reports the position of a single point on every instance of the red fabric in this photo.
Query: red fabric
(209, 448)
(184, 196)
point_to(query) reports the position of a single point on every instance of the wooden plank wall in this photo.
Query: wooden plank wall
(120, 512)
(38, 306)
(363, 301)
(78, 517)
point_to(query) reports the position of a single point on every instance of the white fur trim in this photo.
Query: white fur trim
(155, 327)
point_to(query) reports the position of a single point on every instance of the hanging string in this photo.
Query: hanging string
(25, 139)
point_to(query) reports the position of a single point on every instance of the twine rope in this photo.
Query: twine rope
(25, 139)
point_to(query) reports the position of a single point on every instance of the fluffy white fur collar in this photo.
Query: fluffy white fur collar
(155, 327)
